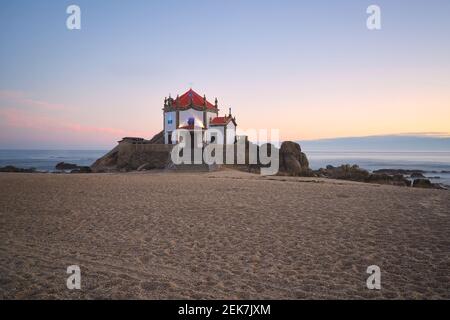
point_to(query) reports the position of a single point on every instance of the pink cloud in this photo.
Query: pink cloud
(18, 97)
(25, 120)
(18, 119)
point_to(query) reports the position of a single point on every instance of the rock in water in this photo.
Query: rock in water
(345, 172)
(82, 170)
(417, 175)
(65, 166)
(426, 183)
(395, 180)
(422, 183)
(14, 169)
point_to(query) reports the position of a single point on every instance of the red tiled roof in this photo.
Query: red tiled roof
(220, 120)
(184, 101)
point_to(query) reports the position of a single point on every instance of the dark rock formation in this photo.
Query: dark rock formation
(422, 183)
(108, 162)
(355, 173)
(132, 155)
(395, 180)
(135, 153)
(426, 183)
(293, 161)
(397, 171)
(417, 175)
(145, 166)
(344, 172)
(158, 138)
(65, 166)
(15, 169)
(73, 168)
(82, 170)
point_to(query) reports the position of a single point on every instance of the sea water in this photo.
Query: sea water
(46, 160)
(433, 163)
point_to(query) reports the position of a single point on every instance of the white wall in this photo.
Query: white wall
(218, 132)
(169, 126)
(186, 114)
(231, 132)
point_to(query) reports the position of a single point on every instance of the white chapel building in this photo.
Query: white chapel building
(193, 112)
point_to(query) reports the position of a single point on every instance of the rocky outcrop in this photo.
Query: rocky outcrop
(398, 171)
(66, 166)
(108, 162)
(344, 172)
(131, 156)
(81, 170)
(395, 180)
(355, 173)
(422, 183)
(15, 169)
(134, 155)
(63, 166)
(293, 161)
(158, 138)
(145, 167)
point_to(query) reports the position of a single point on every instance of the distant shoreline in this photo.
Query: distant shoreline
(432, 164)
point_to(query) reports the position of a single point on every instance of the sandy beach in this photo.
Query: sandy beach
(219, 235)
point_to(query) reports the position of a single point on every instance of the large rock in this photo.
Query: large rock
(422, 183)
(145, 166)
(65, 166)
(158, 138)
(132, 154)
(417, 175)
(426, 183)
(397, 171)
(83, 169)
(355, 173)
(344, 172)
(395, 180)
(108, 162)
(292, 160)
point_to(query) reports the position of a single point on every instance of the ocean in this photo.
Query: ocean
(433, 163)
(46, 160)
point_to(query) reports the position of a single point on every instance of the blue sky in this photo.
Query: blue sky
(311, 69)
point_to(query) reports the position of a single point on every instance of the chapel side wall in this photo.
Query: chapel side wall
(169, 127)
(231, 133)
(220, 137)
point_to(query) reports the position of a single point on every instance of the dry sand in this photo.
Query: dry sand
(219, 235)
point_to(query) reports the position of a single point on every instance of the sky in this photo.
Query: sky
(311, 69)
